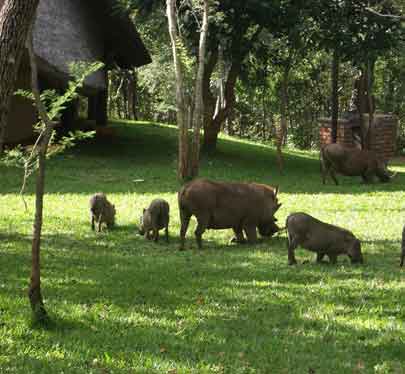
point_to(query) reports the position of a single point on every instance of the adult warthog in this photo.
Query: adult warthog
(349, 161)
(243, 207)
(320, 237)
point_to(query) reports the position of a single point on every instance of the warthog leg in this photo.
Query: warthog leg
(238, 238)
(291, 247)
(333, 176)
(185, 220)
(327, 168)
(99, 223)
(319, 257)
(155, 235)
(251, 233)
(201, 227)
(367, 177)
(167, 234)
(332, 259)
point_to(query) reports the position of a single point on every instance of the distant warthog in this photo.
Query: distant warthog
(244, 207)
(324, 239)
(155, 218)
(102, 211)
(403, 248)
(335, 158)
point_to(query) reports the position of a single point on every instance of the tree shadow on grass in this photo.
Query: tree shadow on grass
(141, 158)
(221, 307)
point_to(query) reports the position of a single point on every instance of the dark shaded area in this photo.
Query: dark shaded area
(132, 160)
(273, 306)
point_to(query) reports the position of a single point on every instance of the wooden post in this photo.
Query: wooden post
(101, 113)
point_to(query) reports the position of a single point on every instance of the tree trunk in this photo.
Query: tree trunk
(102, 104)
(34, 292)
(213, 126)
(389, 104)
(264, 116)
(125, 95)
(213, 123)
(135, 95)
(208, 97)
(16, 17)
(370, 102)
(362, 104)
(183, 170)
(131, 95)
(282, 133)
(335, 94)
(199, 104)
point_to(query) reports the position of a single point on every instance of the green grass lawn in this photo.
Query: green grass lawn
(124, 305)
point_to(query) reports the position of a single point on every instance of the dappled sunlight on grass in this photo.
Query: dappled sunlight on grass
(122, 304)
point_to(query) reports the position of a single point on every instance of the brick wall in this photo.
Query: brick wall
(383, 136)
(344, 133)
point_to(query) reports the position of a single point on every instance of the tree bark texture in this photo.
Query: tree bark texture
(34, 292)
(183, 172)
(199, 103)
(282, 133)
(335, 94)
(370, 102)
(16, 17)
(213, 119)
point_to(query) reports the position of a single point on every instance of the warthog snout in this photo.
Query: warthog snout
(356, 257)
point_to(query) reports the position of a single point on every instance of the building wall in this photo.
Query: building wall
(383, 135)
(67, 31)
(22, 115)
(344, 133)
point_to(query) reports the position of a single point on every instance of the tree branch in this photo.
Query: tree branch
(393, 17)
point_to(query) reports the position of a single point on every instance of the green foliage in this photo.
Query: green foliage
(389, 87)
(357, 34)
(297, 35)
(55, 103)
(122, 304)
(79, 71)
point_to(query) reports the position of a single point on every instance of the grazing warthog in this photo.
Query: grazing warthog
(155, 218)
(349, 161)
(102, 211)
(244, 207)
(403, 248)
(322, 238)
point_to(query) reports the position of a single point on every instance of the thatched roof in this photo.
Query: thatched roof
(122, 38)
(92, 30)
